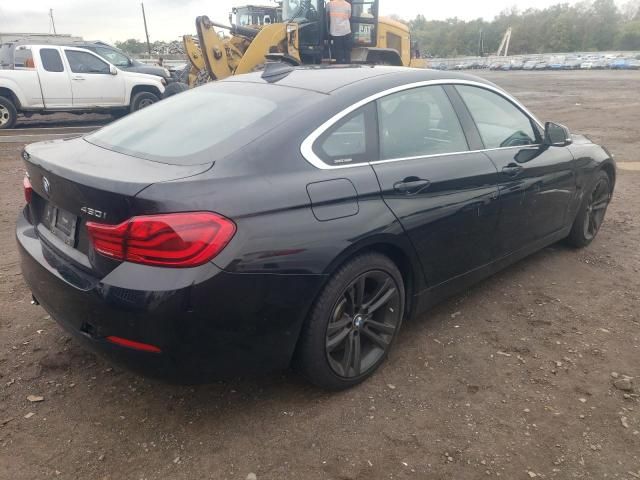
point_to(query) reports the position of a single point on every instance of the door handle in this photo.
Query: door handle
(79, 78)
(411, 185)
(512, 170)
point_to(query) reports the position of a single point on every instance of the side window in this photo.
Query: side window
(23, 58)
(351, 140)
(419, 122)
(500, 122)
(84, 62)
(51, 60)
(112, 56)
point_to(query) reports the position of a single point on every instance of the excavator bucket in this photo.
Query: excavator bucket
(193, 52)
(270, 39)
(245, 50)
(213, 49)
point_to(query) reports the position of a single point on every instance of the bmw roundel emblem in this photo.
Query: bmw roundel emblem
(46, 185)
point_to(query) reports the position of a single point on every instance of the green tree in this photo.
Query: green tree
(588, 25)
(132, 46)
(629, 37)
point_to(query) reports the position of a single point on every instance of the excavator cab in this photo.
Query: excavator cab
(313, 25)
(254, 16)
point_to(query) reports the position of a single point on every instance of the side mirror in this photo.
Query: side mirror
(556, 135)
(113, 70)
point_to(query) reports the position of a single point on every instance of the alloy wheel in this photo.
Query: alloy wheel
(596, 208)
(363, 324)
(145, 103)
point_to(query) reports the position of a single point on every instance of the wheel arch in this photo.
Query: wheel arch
(10, 95)
(610, 170)
(399, 252)
(383, 56)
(145, 88)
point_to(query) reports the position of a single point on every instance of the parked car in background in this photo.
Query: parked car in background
(517, 65)
(529, 65)
(120, 59)
(618, 64)
(47, 79)
(572, 63)
(632, 64)
(297, 218)
(541, 66)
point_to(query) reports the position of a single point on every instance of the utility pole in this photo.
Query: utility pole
(144, 18)
(53, 24)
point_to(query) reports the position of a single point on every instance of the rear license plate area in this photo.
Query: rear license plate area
(61, 223)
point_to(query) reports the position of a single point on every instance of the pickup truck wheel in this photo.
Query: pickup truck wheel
(143, 99)
(8, 113)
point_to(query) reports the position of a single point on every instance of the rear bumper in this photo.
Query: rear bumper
(208, 323)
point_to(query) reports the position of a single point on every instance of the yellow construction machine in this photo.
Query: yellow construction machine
(300, 39)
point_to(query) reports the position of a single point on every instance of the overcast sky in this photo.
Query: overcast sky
(112, 20)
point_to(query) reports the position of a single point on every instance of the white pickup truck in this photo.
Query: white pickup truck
(47, 79)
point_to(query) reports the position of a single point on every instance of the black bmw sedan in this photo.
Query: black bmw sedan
(295, 217)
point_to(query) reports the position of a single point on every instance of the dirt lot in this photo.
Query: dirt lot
(511, 379)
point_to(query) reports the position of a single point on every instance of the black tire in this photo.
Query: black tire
(174, 88)
(344, 323)
(143, 99)
(8, 113)
(592, 212)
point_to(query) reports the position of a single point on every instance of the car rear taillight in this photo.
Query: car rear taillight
(28, 189)
(167, 240)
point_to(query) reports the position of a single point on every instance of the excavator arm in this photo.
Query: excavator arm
(244, 49)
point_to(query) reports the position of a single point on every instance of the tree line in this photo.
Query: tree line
(598, 25)
(591, 25)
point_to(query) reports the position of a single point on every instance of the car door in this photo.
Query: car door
(92, 83)
(536, 183)
(444, 194)
(55, 83)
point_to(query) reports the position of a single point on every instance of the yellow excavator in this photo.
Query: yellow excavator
(300, 39)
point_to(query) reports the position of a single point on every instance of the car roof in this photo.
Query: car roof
(328, 79)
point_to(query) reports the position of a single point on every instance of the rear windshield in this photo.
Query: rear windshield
(203, 124)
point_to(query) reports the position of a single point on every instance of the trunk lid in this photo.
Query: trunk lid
(74, 182)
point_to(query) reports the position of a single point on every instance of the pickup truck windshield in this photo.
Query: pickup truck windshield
(204, 124)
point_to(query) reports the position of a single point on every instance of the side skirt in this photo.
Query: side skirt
(434, 295)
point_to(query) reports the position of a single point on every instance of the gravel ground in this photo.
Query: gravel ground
(514, 378)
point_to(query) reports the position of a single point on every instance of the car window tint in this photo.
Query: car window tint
(23, 58)
(419, 122)
(114, 57)
(203, 124)
(84, 62)
(500, 122)
(348, 139)
(51, 60)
